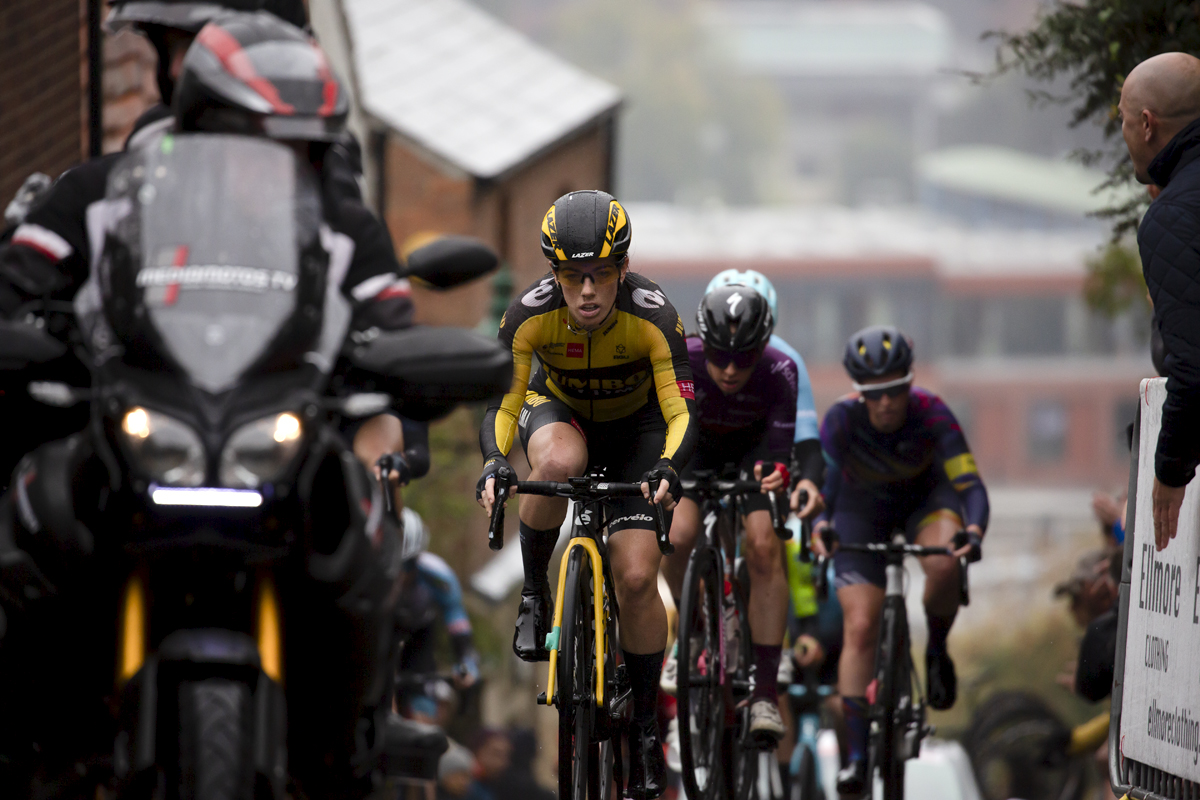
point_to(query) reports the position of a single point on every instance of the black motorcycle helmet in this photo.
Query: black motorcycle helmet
(734, 319)
(158, 20)
(255, 74)
(877, 351)
(585, 224)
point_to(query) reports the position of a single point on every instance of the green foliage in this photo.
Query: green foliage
(1114, 280)
(1093, 45)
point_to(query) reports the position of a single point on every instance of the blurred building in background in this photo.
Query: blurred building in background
(1043, 385)
(468, 127)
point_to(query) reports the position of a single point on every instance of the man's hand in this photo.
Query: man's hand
(815, 504)
(487, 498)
(661, 495)
(1167, 500)
(818, 540)
(773, 482)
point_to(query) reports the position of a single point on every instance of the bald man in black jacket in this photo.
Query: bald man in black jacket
(1160, 121)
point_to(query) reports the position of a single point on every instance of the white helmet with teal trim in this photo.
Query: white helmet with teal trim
(755, 280)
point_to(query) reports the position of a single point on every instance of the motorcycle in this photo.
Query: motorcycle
(197, 590)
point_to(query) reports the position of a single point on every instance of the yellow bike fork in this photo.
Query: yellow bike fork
(553, 638)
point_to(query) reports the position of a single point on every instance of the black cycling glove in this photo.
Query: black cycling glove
(974, 540)
(663, 471)
(490, 467)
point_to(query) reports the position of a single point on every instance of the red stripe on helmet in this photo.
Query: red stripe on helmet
(330, 92)
(229, 50)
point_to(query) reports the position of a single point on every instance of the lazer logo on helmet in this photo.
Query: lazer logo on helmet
(588, 254)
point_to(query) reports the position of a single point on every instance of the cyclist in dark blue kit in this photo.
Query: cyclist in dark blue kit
(897, 460)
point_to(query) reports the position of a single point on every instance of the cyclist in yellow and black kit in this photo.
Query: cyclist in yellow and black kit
(613, 389)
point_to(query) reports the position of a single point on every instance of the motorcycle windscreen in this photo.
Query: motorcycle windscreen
(215, 231)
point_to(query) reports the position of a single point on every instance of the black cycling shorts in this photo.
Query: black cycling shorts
(626, 449)
(864, 520)
(743, 449)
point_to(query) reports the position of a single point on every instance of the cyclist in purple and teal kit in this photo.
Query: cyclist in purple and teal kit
(897, 460)
(746, 411)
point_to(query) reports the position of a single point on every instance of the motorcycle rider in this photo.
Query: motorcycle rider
(212, 97)
(48, 255)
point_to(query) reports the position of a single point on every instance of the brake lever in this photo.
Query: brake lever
(820, 578)
(502, 492)
(964, 588)
(385, 488)
(663, 533)
(781, 530)
(805, 556)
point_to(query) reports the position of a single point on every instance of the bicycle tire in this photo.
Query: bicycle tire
(745, 751)
(700, 697)
(576, 684)
(804, 782)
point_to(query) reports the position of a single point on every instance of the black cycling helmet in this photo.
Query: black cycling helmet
(877, 351)
(256, 74)
(734, 319)
(585, 224)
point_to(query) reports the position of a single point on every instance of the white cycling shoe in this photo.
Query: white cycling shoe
(674, 760)
(766, 726)
(669, 681)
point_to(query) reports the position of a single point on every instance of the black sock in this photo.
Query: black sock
(857, 727)
(766, 671)
(644, 671)
(536, 549)
(939, 629)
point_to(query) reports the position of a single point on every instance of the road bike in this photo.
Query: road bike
(720, 758)
(587, 685)
(805, 698)
(897, 713)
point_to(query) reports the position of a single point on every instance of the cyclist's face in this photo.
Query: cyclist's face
(888, 411)
(731, 378)
(589, 287)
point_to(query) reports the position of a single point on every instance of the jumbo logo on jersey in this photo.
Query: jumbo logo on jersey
(575, 350)
(649, 299)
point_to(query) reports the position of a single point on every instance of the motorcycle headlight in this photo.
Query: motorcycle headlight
(260, 451)
(165, 449)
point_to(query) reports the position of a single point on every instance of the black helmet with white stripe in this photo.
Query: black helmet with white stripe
(735, 319)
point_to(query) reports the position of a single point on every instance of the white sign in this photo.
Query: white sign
(1160, 707)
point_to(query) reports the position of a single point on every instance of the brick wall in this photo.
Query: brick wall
(42, 101)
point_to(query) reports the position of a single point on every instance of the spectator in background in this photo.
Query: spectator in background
(1109, 511)
(456, 776)
(493, 754)
(1160, 122)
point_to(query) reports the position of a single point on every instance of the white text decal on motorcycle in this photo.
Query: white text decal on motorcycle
(215, 276)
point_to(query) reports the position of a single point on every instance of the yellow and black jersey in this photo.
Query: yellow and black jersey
(638, 358)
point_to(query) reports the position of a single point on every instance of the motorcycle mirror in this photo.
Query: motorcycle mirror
(451, 260)
(429, 371)
(59, 395)
(22, 344)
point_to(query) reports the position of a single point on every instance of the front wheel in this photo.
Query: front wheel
(804, 781)
(578, 757)
(701, 676)
(887, 760)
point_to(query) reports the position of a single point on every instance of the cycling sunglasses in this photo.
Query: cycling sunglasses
(720, 358)
(574, 277)
(876, 391)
